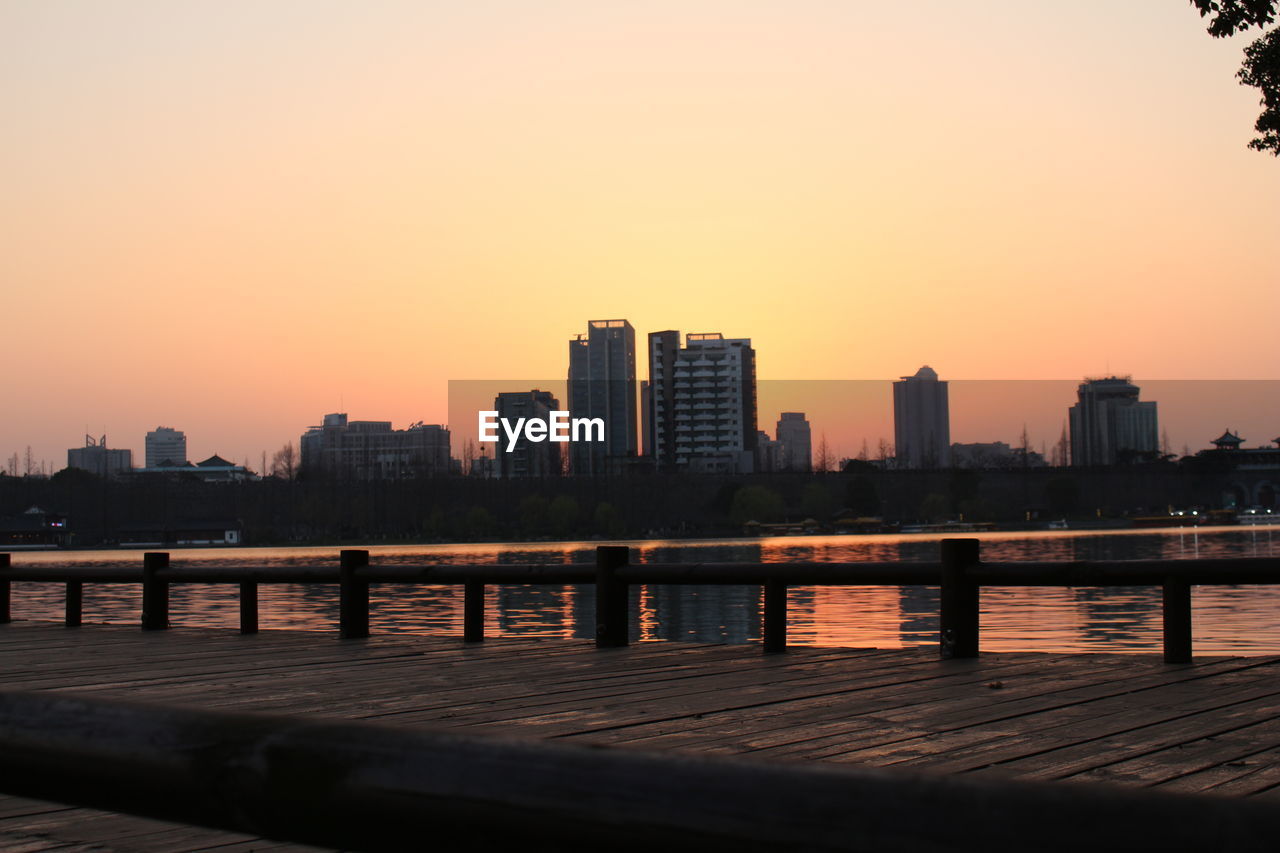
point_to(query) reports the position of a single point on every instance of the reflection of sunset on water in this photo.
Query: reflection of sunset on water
(1226, 619)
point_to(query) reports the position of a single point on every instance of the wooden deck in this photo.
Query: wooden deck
(1208, 727)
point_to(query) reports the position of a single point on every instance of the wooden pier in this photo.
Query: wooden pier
(1210, 727)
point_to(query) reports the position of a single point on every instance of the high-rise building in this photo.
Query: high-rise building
(921, 421)
(372, 450)
(659, 400)
(1108, 423)
(768, 454)
(602, 384)
(166, 446)
(527, 458)
(701, 403)
(796, 441)
(96, 458)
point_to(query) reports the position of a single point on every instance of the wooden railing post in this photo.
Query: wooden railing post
(75, 603)
(775, 617)
(5, 615)
(611, 596)
(248, 607)
(472, 611)
(353, 606)
(1177, 620)
(958, 617)
(155, 592)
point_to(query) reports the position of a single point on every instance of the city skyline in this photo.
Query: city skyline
(208, 215)
(850, 412)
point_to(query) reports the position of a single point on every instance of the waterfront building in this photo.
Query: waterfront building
(602, 384)
(768, 453)
(527, 458)
(1109, 424)
(1250, 475)
(215, 469)
(96, 458)
(921, 421)
(994, 454)
(372, 450)
(701, 403)
(165, 444)
(796, 441)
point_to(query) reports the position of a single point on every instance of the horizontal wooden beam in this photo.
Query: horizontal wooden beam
(364, 787)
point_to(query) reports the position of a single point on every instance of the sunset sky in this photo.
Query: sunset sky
(232, 217)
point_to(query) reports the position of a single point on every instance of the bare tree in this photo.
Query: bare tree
(1062, 453)
(29, 463)
(864, 454)
(13, 465)
(284, 462)
(884, 451)
(824, 461)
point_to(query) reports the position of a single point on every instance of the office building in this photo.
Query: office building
(166, 445)
(602, 384)
(372, 450)
(701, 403)
(527, 458)
(96, 458)
(1110, 425)
(796, 442)
(921, 421)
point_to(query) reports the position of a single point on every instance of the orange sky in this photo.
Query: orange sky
(233, 217)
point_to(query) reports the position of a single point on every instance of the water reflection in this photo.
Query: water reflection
(1227, 619)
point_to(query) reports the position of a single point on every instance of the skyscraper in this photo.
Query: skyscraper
(701, 402)
(1108, 422)
(659, 400)
(602, 384)
(166, 445)
(527, 458)
(796, 440)
(97, 458)
(921, 421)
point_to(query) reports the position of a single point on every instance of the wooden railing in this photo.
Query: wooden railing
(357, 786)
(959, 572)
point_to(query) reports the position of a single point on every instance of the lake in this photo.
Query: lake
(1235, 620)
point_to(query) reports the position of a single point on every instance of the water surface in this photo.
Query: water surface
(1238, 620)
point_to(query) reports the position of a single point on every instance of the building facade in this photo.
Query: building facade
(796, 442)
(921, 421)
(602, 384)
(702, 403)
(527, 458)
(372, 450)
(96, 458)
(1109, 424)
(165, 444)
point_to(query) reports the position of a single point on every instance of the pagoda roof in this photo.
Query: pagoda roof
(1229, 438)
(215, 461)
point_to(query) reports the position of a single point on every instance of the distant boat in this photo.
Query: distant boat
(1060, 524)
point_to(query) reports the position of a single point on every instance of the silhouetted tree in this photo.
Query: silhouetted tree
(756, 503)
(1261, 67)
(562, 515)
(284, 462)
(823, 462)
(816, 502)
(861, 496)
